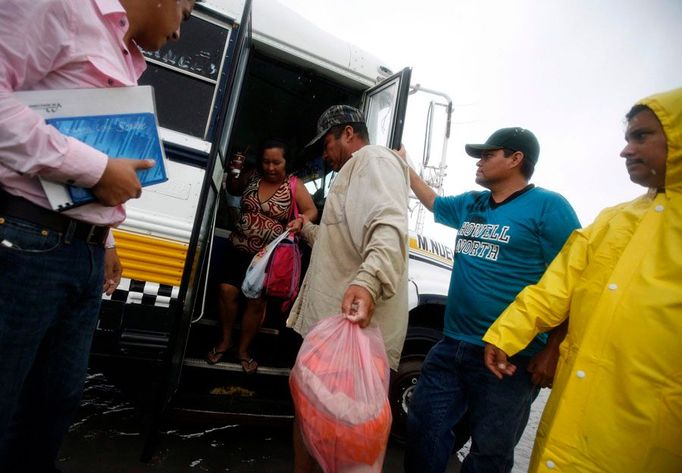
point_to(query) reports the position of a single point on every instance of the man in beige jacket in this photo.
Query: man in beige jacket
(358, 264)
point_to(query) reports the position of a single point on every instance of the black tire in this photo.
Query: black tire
(402, 386)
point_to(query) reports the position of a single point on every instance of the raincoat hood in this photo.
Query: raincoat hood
(668, 108)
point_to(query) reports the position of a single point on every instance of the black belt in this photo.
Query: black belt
(72, 229)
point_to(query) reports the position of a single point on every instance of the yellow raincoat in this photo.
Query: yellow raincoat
(616, 404)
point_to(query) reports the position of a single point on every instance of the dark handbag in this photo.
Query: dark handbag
(283, 272)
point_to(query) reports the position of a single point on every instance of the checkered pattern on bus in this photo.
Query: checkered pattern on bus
(132, 291)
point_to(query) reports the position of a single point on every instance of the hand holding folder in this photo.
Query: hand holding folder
(120, 182)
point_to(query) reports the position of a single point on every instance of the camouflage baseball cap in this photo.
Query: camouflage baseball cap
(336, 115)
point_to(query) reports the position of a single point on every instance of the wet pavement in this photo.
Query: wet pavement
(108, 437)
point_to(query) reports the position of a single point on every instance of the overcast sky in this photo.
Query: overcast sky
(566, 69)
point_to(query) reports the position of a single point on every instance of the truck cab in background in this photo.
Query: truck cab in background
(243, 73)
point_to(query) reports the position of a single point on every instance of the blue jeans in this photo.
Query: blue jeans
(454, 380)
(50, 294)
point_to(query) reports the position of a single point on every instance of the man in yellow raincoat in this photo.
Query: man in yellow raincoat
(616, 404)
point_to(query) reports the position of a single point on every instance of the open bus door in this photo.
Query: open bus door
(384, 107)
(196, 264)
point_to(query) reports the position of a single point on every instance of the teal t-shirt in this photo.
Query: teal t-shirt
(499, 250)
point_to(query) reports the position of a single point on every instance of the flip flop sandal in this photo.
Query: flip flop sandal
(249, 365)
(214, 356)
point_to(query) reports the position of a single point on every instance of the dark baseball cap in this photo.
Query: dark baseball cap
(336, 115)
(515, 139)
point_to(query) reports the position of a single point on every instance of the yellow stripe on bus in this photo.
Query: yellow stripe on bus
(146, 258)
(416, 248)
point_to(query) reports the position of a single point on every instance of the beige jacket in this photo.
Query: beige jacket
(362, 239)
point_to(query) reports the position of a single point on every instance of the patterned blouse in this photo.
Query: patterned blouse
(261, 222)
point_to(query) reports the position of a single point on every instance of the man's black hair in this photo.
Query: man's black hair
(527, 166)
(635, 110)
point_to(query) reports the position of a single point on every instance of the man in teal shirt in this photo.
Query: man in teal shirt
(506, 238)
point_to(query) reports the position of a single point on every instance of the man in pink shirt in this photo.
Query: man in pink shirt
(53, 265)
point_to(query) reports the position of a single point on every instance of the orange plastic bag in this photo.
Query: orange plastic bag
(339, 385)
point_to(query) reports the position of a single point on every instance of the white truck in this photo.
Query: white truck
(224, 87)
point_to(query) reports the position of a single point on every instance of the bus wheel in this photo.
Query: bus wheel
(403, 383)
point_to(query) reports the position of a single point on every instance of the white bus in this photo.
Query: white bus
(237, 77)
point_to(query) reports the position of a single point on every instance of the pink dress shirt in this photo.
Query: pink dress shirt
(58, 44)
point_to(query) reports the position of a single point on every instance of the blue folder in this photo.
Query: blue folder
(132, 135)
(118, 121)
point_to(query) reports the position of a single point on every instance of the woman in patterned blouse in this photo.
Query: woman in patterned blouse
(266, 211)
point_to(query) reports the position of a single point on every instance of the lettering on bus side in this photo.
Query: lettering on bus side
(427, 244)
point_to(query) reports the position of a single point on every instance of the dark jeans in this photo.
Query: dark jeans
(454, 380)
(50, 293)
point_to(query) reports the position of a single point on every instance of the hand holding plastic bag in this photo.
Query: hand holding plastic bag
(252, 286)
(339, 385)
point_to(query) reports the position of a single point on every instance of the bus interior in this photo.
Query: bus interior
(278, 101)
